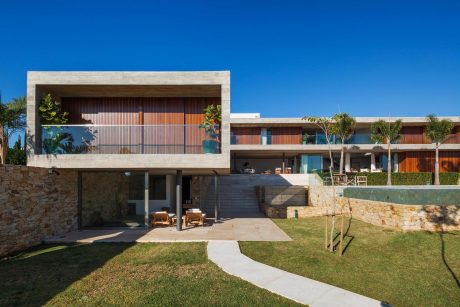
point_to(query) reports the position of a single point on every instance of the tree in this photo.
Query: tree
(437, 131)
(386, 132)
(16, 154)
(50, 112)
(52, 117)
(212, 120)
(326, 124)
(12, 120)
(343, 127)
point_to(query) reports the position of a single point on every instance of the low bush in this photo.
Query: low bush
(422, 178)
(450, 178)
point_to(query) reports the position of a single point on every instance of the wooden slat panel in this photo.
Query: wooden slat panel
(286, 135)
(413, 135)
(246, 135)
(160, 112)
(454, 138)
(423, 161)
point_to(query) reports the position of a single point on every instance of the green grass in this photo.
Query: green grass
(124, 274)
(403, 269)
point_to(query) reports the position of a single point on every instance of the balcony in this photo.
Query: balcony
(129, 139)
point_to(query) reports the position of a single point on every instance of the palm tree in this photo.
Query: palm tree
(437, 131)
(386, 132)
(343, 127)
(12, 120)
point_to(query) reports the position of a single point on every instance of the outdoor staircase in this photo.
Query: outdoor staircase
(238, 194)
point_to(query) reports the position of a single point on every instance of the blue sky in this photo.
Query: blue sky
(287, 58)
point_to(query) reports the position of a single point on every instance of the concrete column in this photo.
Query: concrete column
(216, 197)
(179, 200)
(146, 199)
(347, 162)
(294, 167)
(373, 168)
(284, 163)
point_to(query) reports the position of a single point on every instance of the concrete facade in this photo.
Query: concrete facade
(39, 83)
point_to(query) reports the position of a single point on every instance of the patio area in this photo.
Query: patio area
(239, 229)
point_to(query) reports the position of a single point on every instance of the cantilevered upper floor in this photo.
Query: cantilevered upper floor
(253, 132)
(130, 120)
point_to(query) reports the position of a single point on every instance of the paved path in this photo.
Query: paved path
(227, 255)
(240, 229)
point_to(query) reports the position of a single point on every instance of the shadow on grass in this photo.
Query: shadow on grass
(444, 218)
(33, 277)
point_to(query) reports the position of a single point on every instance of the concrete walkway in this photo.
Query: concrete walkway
(227, 255)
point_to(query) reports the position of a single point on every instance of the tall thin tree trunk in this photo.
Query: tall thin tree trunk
(389, 165)
(3, 146)
(436, 166)
(331, 169)
(341, 160)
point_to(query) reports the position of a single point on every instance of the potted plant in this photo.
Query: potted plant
(211, 124)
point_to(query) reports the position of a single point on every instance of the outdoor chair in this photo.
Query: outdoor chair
(278, 170)
(361, 180)
(160, 218)
(195, 217)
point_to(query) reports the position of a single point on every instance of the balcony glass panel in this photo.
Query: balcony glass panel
(130, 139)
(360, 138)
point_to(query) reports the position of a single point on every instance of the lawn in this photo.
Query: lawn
(104, 274)
(403, 269)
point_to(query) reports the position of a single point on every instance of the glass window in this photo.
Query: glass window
(157, 187)
(266, 136)
(311, 164)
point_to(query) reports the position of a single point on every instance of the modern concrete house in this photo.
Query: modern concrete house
(135, 140)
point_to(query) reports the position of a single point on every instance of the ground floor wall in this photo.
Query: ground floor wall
(35, 204)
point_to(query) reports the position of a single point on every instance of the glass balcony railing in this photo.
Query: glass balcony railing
(130, 139)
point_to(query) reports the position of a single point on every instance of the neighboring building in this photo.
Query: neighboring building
(134, 138)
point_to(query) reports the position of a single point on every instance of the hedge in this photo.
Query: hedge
(422, 178)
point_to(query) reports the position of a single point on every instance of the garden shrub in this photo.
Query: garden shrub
(449, 178)
(422, 178)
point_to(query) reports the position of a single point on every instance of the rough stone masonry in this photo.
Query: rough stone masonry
(35, 204)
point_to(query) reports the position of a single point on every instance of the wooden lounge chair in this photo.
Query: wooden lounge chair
(195, 218)
(160, 218)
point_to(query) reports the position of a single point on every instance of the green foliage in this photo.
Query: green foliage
(50, 112)
(16, 155)
(383, 131)
(449, 178)
(343, 126)
(438, 130)
(422, 178)
(13, 115)
(212, 119)
(386, 132)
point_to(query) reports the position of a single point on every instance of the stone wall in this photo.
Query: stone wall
(104, 197)
(34, 205)
(404, 217)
